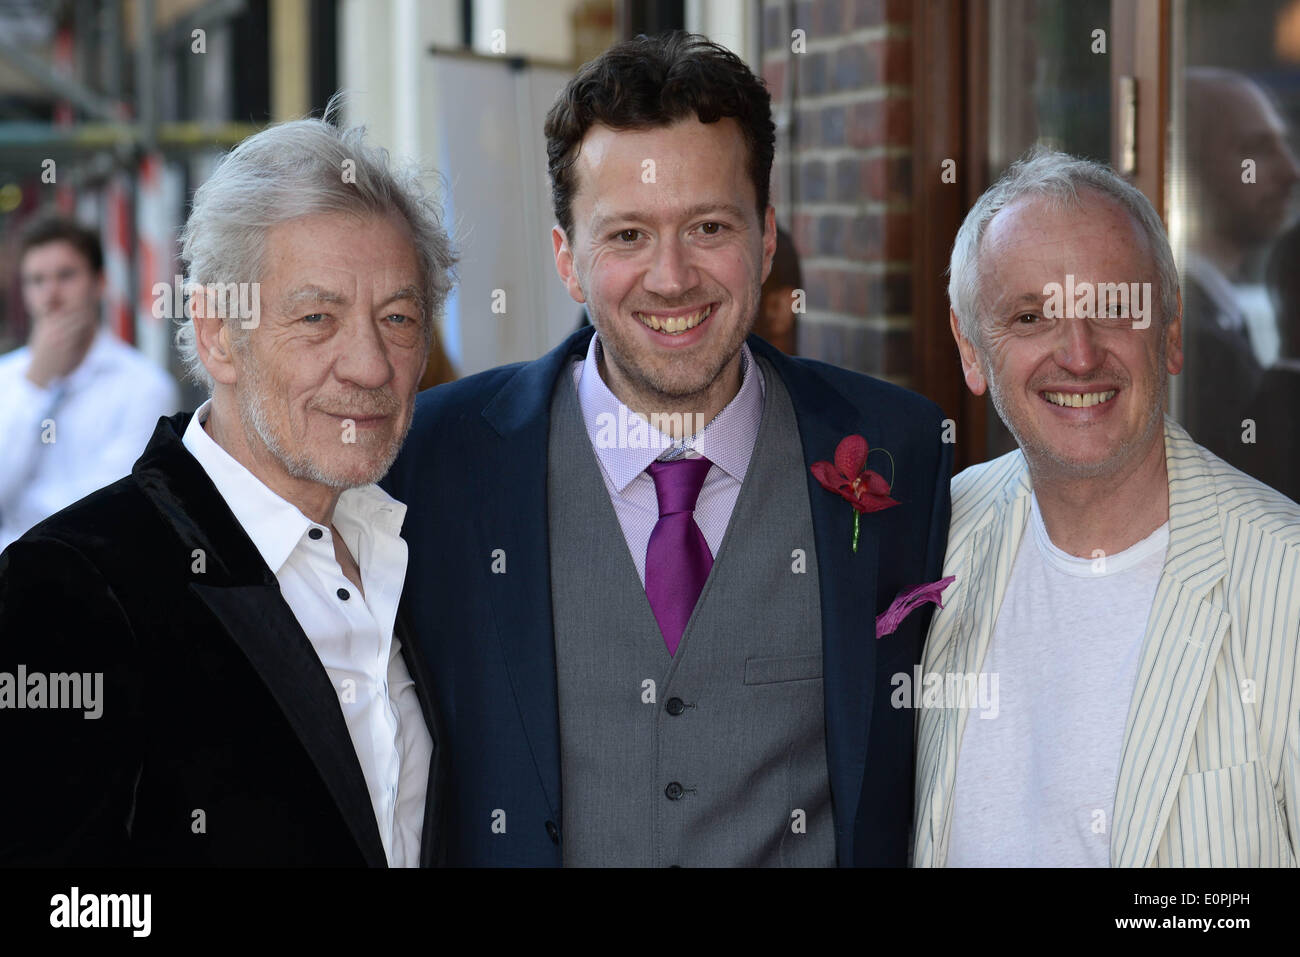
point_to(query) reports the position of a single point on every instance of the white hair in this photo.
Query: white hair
(1047, 173)
(297, 169)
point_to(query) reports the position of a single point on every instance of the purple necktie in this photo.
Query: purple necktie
(677, 560)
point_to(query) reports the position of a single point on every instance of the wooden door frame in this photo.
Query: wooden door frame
(950, 122)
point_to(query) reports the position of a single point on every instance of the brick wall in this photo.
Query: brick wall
(841, 183)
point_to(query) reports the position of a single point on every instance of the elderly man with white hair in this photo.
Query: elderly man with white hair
(1133, 599)
(205, 661)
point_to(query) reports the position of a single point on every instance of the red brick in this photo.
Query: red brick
(774, 77)
(865, 124)
(863, 13)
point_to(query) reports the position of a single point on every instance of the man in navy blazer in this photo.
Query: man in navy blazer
(656, 684)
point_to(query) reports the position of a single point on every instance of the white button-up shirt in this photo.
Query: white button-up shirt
(351, 633)
(81, 432)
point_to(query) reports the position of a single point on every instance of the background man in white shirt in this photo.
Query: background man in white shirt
(238, 593)
(76, 404)
(1137, 598)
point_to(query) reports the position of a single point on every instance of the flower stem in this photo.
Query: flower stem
(857, 517)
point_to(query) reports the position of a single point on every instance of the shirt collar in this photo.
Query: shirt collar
(728, 444)
(275, 525)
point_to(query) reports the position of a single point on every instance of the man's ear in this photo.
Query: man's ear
(1173, 334)
(564, 264)
(212, 336)
(970, 358)
(769, 241)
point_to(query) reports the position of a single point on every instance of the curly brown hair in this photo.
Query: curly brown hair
(651, 82)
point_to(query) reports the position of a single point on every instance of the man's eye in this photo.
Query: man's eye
(629, 235)
(400, 319)
(711, 229)
(1026, 318)
(314, 317)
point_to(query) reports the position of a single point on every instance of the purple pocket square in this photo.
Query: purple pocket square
(908, 600)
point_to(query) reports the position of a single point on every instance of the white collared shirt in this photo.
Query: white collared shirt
(351, 633)
(79, 433)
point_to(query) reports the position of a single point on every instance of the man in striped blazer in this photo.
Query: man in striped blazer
(1113, 679)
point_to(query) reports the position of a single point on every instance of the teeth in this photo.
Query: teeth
(674, 325)
(1076, 401)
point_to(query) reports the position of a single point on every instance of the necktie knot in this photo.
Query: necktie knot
(678, 483)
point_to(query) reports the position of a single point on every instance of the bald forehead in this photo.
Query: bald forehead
(1056, 223)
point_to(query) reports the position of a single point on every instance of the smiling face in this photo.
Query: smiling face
(669, 254)
(1084, 397)
(325, 383)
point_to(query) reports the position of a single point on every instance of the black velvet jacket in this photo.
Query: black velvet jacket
(220, 739)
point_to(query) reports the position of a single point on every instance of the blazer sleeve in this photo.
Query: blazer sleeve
(72, 771)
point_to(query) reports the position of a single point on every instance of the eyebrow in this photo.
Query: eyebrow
(1024, 299)
(699, 209)
(319, 294)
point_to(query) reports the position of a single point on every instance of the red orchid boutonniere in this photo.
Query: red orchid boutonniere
(847, 476)
(867, 491)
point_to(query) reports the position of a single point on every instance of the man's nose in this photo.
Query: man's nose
(671, 272)
(1077, 349)
(364, 358)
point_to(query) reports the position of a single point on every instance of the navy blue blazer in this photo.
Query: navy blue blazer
(473, 475)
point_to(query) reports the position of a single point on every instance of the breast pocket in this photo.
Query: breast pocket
(761, 671)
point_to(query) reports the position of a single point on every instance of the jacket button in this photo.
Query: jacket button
(674, 791)
(553, 832)
(675, 706)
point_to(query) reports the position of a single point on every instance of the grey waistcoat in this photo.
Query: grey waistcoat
(717, 756)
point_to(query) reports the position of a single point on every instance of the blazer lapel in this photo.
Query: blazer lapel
(958, 642)
(245, 597)
(848, 583)
(512, 470)
(1183, 637)
(258, 620)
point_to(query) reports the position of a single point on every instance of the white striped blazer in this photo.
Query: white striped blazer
(1209, 774)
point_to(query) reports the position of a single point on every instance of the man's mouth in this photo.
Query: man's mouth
(674, 325)
(361, 418)
(1079, 400)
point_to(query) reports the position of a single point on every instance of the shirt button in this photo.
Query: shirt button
(553, 832)
(675, 706)
(343, 593)
(674, 791)
(315, 534)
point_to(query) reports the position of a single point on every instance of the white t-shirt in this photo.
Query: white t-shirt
(1036, 784)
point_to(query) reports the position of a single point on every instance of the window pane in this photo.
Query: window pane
(1231, 184)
